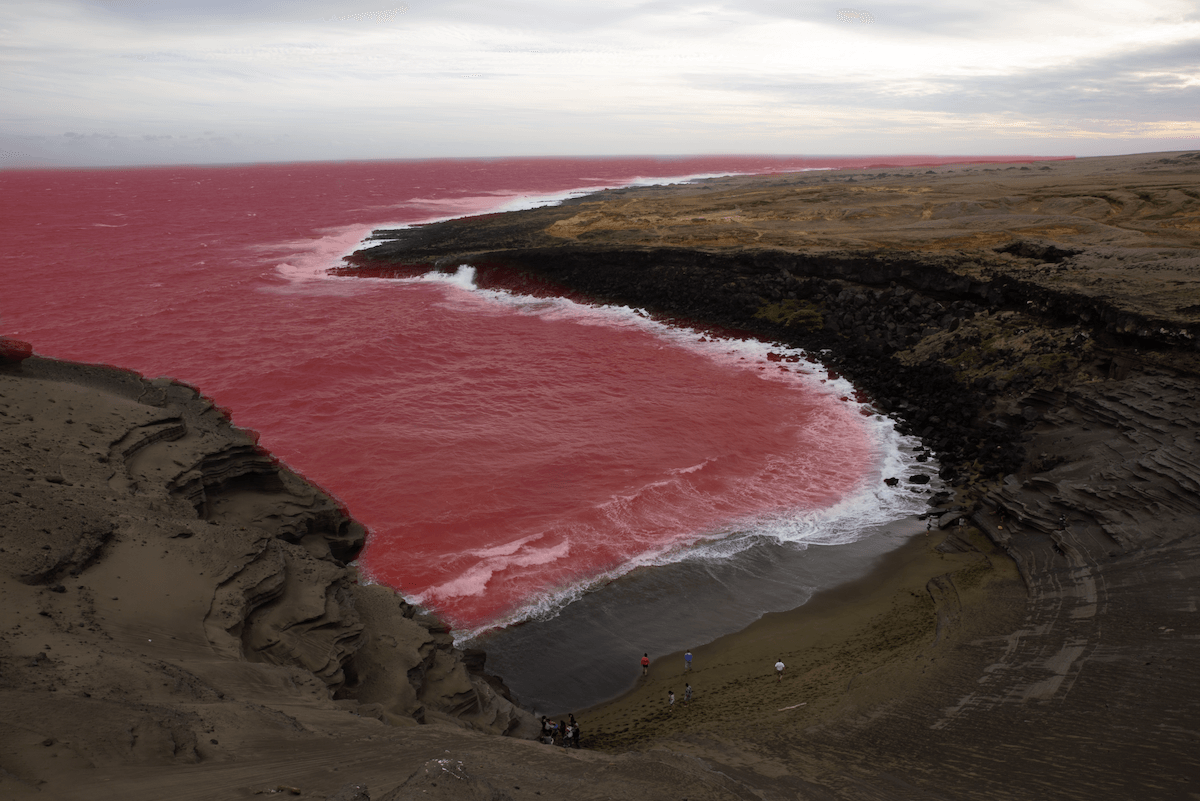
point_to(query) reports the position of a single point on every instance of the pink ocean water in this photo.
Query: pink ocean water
(502, 451)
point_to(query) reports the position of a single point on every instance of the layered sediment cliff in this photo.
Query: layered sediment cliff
(179, 618)
(167, 586)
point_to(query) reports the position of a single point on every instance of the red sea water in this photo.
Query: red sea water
(505, 453)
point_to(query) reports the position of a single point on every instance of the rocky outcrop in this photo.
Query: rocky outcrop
(958, 342)
(14, 351)
(166, 578)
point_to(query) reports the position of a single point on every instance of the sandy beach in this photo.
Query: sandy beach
(1034, 324)
(589, 652)
(874, 636)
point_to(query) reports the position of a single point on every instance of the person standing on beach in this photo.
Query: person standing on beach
(671, 700)
(687, 694)
(574, 724)
(779, 666)
(687, 660)
(645, 664)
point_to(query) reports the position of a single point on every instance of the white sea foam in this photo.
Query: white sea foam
(504, 549)
(475, 580)
(307, 266)
(742, 354)
(312, 259)
(854, 518)
(462, 278)
(857, 515)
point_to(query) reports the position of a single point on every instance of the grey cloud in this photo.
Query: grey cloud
(933, 18)
(1109, 87)
(68, 84)
(1113, 87)
(556, 19)
(160, 12)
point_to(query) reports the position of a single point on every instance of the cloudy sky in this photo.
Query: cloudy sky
(184, 81)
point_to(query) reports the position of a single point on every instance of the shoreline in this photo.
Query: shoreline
(1035, 327)
(837, 647)
(581, 657)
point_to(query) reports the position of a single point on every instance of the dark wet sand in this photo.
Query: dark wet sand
(590, 652)
(842, 636)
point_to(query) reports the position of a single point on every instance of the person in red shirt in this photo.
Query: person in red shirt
(645, 664)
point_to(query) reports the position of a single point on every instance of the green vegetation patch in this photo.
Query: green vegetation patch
(793, 314)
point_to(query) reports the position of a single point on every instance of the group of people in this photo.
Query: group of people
(687, 696)
(687, 688)
(687, 666)
(687, 662)
(564, 733)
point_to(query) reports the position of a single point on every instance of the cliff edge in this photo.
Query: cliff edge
(169, 590)
(179, 618)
